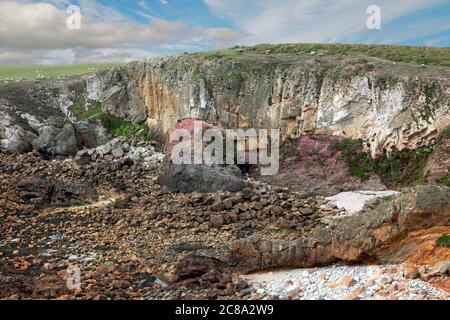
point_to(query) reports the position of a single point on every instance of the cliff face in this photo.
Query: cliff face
(385, 104)
(388, 107)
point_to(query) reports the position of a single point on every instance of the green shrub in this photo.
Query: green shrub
(443, 241)
(445, 180)
(81, 113)
(398, 169)
(360, 163)
(125, 128)
(446, 132)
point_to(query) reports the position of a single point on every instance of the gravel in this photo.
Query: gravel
(340, 282)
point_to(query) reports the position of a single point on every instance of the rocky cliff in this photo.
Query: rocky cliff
(386, 104)
(134, 225)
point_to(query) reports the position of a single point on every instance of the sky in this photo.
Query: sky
(36, 32)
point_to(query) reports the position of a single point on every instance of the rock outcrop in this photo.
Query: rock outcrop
(353, 238)
(391, 106)
(201, 178)
(387, 109)
(310, 166)
(43, 116)
(39, 191)
(69, 139)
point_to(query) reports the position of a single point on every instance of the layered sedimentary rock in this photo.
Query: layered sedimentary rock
(365, 236)
(402, 110)
(388, 106)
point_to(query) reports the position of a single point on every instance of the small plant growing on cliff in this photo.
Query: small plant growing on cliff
(125, 128)
(445, 180)
(446, 132)
(289, 147)
(396, 169)
(82, 113)
(360, 163)
(443, 241)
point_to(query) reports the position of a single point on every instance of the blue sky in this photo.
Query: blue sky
(35, 31)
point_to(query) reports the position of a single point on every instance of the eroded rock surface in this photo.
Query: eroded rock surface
(351, 238)
(139, 229)
(201, 178)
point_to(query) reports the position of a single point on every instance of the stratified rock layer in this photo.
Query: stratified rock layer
(353, 238)
(392, 106)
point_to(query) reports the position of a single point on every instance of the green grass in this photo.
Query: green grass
(400, 168)
(445, 180)
(50, 71)
(81, 113)
(446, 132)
(125, 128)
(443, 241)
(117, 126)
(407, 54)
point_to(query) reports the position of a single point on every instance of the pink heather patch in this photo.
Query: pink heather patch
(318, 145)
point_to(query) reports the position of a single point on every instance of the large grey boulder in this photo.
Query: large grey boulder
(200, 178)
(15, 139)
(386, 233)
(69, 139)
(55, 141)
(90, 135)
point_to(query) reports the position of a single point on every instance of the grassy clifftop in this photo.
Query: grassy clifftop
(406, 54)
(50, 71)
(368, 55)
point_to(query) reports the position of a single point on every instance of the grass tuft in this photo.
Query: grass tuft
(125, 128)
(399, 169)
(50, 71)
(81, 113)
(443, 241)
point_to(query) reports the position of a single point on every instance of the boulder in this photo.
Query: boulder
(42, 192)
(15, 139)
(117, 153)
(67, 194)
(70, 138)
(83, 157)
(200, 178)
(55, 141)
(90, 135)
(34, 188)
(411, 271)
(217, 221)
(193, 266)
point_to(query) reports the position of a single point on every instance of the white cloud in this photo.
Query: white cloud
(73, 55)
(43, 26)
(35, 32)
(272, 21)
(40, 30)
(222, 36)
